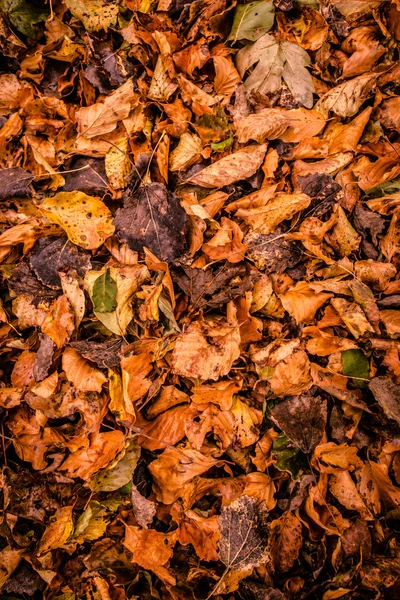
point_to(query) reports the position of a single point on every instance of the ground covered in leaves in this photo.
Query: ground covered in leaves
(200, 299)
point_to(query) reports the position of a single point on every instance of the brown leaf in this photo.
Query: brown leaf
(206, 350)
(244, 536)
(285, 541)
(303, 419)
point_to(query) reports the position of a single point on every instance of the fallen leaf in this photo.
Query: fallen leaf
(174, 468)
(302, 418)
(302, 302)
(86, 219)
(252, 20)
(387, 394)
(244, 536)
(285, 541)
(151, 549)
(95, 14)
(195, 356)
(154, 219)
(231, 168)
(79, 371)
(59, 323)
(276, 61)
(102, 117)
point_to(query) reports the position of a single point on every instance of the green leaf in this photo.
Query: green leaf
(222, 146)
(109, 480)
(288, 457)
(104, 296)
(24, 16)
(252, 20)
(389, 187)
(355, 364)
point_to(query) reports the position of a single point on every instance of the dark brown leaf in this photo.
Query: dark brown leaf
(153, 218)
(302, 419)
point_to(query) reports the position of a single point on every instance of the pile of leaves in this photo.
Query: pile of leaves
(200, 299)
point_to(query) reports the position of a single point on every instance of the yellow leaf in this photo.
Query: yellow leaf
(117, 164)
(86, 219)
(58, 531)
(94, 14)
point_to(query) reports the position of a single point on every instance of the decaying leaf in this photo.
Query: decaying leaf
(153, 218)
(303, 419)
(244, 535)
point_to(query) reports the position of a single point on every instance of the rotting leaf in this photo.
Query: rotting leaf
(302, 418)
(153, 218)
(244, 534)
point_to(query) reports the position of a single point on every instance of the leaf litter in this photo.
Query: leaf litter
(200, 299)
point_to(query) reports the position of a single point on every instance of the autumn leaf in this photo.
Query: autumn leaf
(302, 418)
(95, 14)
(252, 20)
(285, 541)
(104, 293)
(195, 356)
(153, 218)
(244, 535)
(85, 219)
(231, 168)
(79, 371)
(275, 61)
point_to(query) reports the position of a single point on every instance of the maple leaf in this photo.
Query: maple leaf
(275, 61)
